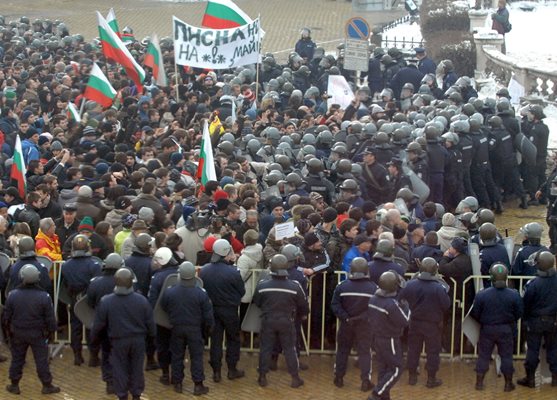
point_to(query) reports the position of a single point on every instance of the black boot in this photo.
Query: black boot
(412, 377)
(530, 379)
(262, 380)
(523, 202)
(432, 381)
(49, 388)
(296, 382)
(109, 388)
(165, 378)
(13, 387)
(234, 373)
(274, 363)
(553, 379)
(178, 387)
(366, 386)
(217, 377)
(151, 364)
(94, 360)
(509, 385)
(78, 358)
(498, 208)
(199, 389)
(338, 381)
(480, 381)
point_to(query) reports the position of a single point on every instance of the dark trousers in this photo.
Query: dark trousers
(191, 337)
(484, 186)
(388, 354)
(507, 176)
(278, 329)
(354, 334)
(436, 183)
(277, 349)
(227, 322)
(163, 347)
(76, 335)
(106, 367)
(467, 182)
(536, 330)
(421, 332)
(490, 336)
(20, 341)
(127, 356)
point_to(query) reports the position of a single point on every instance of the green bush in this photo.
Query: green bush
(440, 20)
(463, 56)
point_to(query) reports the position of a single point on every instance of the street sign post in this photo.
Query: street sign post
(356, 55)
(357, 28)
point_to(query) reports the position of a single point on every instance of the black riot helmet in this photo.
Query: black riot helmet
(389, 282)
(545, 262)
(359, 269)
(279, 265)
(499, 273)
(488, 234)
(429, 265)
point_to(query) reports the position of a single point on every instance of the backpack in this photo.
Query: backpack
(507, 27)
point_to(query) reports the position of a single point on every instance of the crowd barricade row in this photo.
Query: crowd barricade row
(457, 315)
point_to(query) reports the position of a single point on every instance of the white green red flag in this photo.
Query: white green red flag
(17, 174)
(112, 22)
(224, 14)
(98, 88)
(206, 166)
(116, 50)
(72, 113)
(153, 60)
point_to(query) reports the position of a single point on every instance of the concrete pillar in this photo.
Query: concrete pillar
(485, 39)
(477, 19)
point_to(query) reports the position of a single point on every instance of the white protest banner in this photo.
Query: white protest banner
(216, 48)
(340, 91)
(284, 230)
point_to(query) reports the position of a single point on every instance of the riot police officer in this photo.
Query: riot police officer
(428, 301)
(388, 318)
(540, 313)
(29, 318)
(491, 251)
(190, 312)
(375, 176)
(438, 158)
(27, 255)
(164, 264)
(497, 309)
(417, 161)
(350, 305)
(128, 319)
(532, 236)
(316, 182)
(453, 177)
(225, 288)
(77, 273)
(383, 261)
(140, 262)
(281, 301)
(100, 286)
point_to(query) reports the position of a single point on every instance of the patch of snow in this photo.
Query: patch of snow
(551, 122)
(405, 30)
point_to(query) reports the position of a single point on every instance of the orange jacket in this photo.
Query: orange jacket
(48, 247)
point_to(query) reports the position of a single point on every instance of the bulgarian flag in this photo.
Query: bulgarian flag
(114, 49)
(98, 88)
(72, 113)
(17, 174)
(223, 14)
(111, 20)
(153, 60)
(206, 166)
(128, 38)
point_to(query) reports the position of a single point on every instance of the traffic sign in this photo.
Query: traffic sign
(356, 55)
(357, 28)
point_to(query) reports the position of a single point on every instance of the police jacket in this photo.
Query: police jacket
(319, 184)
(427, 298)
(489, 255)
(501, 147)
(29, 308)
(351, 298)
(14, 279)
(124, 316)
(420, 167)
(480, 156)
(453, 170)
(223, 284)
(377, 181)
(427, 66)
(294, 274)
(77, 273)
(520, 267)
(280, 297)
(388, 317)
(157, 280)
(510, 122)
(539, 135)
(140, 264)
(377, 266)
(437, 158)
(100, 286)
(422, 251)
(188, 306)
(494, 306)
(540, 297)
(466, 149)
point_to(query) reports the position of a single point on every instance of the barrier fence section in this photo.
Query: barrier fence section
(458, 347)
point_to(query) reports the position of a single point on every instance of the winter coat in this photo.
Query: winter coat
(114, 218)
(86, 208)
(251, 258)
(446, 234)
(150, 201)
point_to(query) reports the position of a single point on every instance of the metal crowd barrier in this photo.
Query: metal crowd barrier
(457, 315)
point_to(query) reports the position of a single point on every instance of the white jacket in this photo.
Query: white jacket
(250, 259)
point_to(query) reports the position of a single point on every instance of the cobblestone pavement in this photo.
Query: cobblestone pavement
(281, 19)
(84, 383)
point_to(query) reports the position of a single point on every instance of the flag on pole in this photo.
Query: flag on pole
(206, 166)
(153, 60)
(233, 116)
(223, 14)
(73, 113)
(112, 22)
(17, 174)
(128, 38)
(116, 50)
(98, 88)
(339, 91)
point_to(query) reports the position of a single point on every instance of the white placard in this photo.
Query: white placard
(284, 230)
(340, 91)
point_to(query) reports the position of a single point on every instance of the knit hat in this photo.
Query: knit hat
(31, 132)
(459, 244)
(139, 225)
(226, 180)
(25, 115)
(310, 239)
(128, 220)
(315, 196)
(85, 191)
(220, 194)
(208, 243)
(448, 219)
(175, 158)
(329, 215)
(146, 214)
(274, 202)
(361, 238)
(101, 168)
(251, 237)
(42, 140)
(86, 224)
(222, 204)
(89, 131)
(122, 203)
(303, 226)
(56, 146)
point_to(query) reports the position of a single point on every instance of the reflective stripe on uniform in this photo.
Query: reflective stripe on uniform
(277, 290)
(356, 294)
(378, 309)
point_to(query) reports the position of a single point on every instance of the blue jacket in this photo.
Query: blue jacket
(351, 298)
(77, 273)
(278, 297)
(30, 151)
(223, 284)
(540, 297)
(100, 286)
(388, 317)
(427, 66)
(141, 266)
(520, 267)
(494, 306)
(427, 298)
(29, 308)
(489, 255)
(157, 280)
(188, 306)
(351, 254)
(377, 267)
(15, 280)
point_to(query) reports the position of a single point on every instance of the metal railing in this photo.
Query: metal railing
(401, 42)
(458, 312)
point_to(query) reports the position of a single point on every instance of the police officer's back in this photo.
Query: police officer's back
(140, 262)
(383, 261)
(27, 256)
(491, 251)
(532, 236)
(78, 271)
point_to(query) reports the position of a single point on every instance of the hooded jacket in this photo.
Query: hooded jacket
(251, 258)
